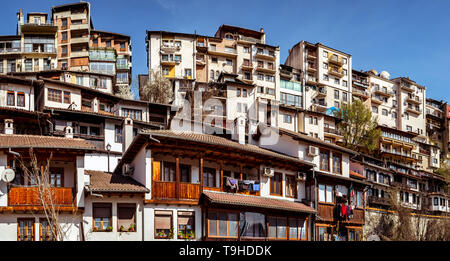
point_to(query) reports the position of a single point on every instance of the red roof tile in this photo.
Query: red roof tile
(255, 201)
(47, 142)
(106, 182)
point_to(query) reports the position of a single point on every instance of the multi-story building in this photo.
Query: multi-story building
(437, 130)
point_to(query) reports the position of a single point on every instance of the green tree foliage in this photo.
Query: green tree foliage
(358, 127)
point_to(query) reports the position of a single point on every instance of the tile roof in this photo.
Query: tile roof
(356, 175)
(255, 201)
(106, 182)
(219, 141)
(47, 142)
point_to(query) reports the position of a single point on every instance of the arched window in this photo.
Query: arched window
(217, 75)
(229, 36)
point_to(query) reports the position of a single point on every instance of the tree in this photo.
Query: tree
(358, 127)
(124, 92)
(444, 170)
(38, 173)
(157, 89)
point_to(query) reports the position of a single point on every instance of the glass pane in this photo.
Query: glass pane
(212, 224)
(322, 193)
(233, 224)
(329, 194)
(272, 227)
(281, 222)
(293, 233)
(223, 224)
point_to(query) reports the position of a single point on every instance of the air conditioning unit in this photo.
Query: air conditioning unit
(313, 151)
(301, 176)
(128, 170)
(268, 172)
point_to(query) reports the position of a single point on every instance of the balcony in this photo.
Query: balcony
(266, 56)
(327, 213)
(311, 68)
(361, 84)
(170, 48)
(334, 59)
(321, 92)
(406, 87)
(29, 196)
(311, 80)
(38, 28)
(78, 40)
(78, 16)
(320, 106)
(227, 52)
(376, 100)
(379, 201)
(334, 132)
(360, 93)
(311, 55)
(79, 27)
(414, 99)
(414, 110)
(245, 39)
(382, 92)
(162, 190)
(401, 155)
(266, 70)
(285, 73)
(79, 54)
(247, 67)
(335, 71)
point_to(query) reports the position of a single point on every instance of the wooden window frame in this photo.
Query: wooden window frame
(154, 226)
(61, 171)
(336, 155)
(272, 184)
(53, 97)
(118, 137)
(135, 216)
(305, 223)
(217, 211)
(214, 177)
(33, 228)
(94, 229)
(294, 183)
(318, 226)
(66, 94)
(332, 194)
(13, 99)
(17, 97)
(40, 229)
(327, 152)
(178, 225)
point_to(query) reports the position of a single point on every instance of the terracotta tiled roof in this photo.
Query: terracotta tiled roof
(356, 175)
(47, 142)
(219, 141)
(255, 201)
(107, 182)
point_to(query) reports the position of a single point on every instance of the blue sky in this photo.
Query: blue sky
(405, 38)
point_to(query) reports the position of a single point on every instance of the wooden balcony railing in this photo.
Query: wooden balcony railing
(163, 190)
(29, 196)
(189, 191)
(327, 213)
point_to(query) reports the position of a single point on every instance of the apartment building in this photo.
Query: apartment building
(437, 129)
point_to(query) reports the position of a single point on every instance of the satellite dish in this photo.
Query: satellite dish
(8, 175)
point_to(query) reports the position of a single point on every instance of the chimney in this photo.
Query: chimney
(68, 132)
(127, 133)
(239, 124)
(9, 126)
(261, 30)
(94, 105)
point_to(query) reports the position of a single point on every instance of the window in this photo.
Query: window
(260, 76)
(408, 128)
(10, 100)
(297, 229)
(67, 97)
(229, 62)
(344, 60)
(169, 171)
(252, 224)
(290, 99)
(118, 134)
(270, 91)
(344, 71)
(122, 45)
(359, 199)
(20, 99)
(102, 216)
(132, 113)
(28, 65)
(277, 227)
(336, 94)
(64, 22)
(214, 59)
(270, 78)
(126, 217)
(45, 230)
(186, 224)
(325, 193)
(188, 72)
(54, 95)
(374, 109)
(324, 160)
(336, 81)
(120, 78)
(244, 92)
(394, 115)
(325, 77)
(336, 104)
(64, 36)
(163, 224)
(209, 177)
(344, 96)
(325, 65)
(222, 224)
(337, 161)
(344, 83)
(275, 184)
(315, 120)
(238, 92)
(25, 227)
(56, 177)
(325, 54)
(185, 173)
(384, 112)
(291, 186)
(246, 49)
(287, 118)
(260, 89)
(108, 43)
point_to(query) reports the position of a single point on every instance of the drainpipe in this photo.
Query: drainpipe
(315, 205)
(13, 152)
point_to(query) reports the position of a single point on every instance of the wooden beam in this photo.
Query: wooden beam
(177, 177)
(200, 164)
(221, 174)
